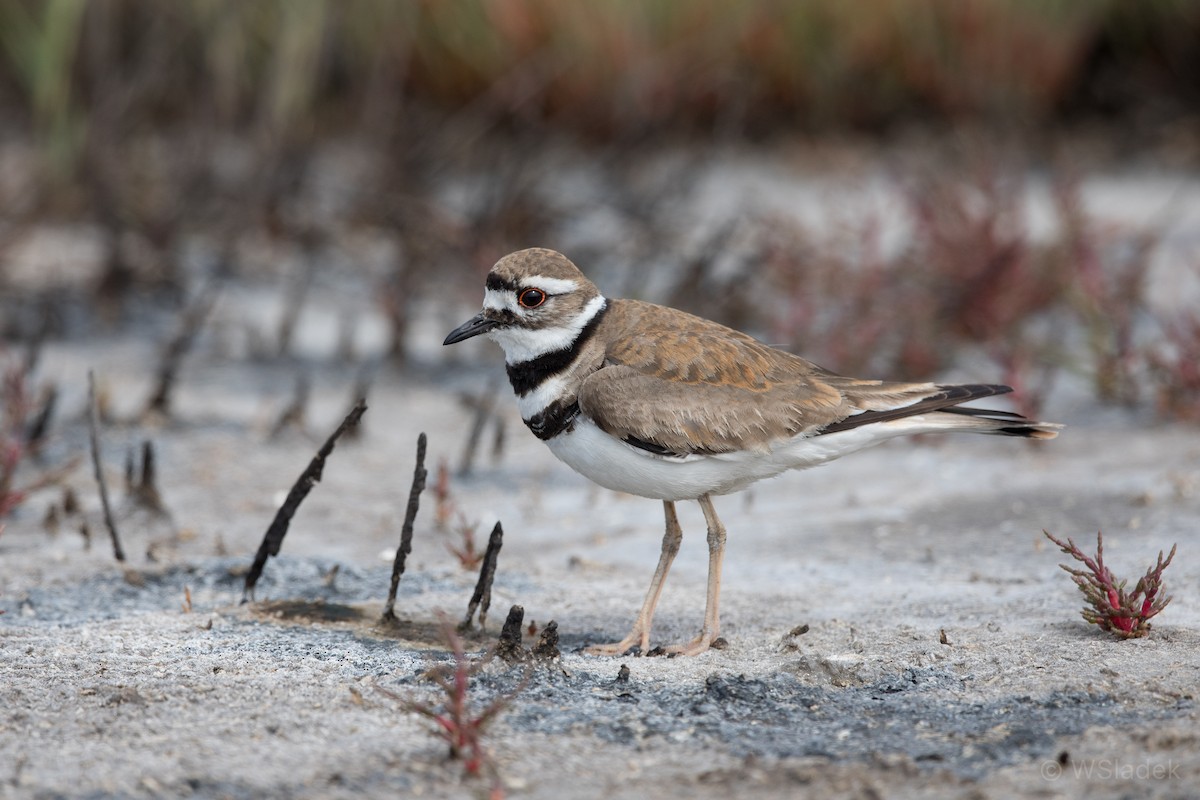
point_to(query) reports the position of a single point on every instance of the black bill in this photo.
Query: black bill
(473, 327)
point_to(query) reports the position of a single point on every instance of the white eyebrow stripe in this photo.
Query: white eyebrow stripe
(550, 285)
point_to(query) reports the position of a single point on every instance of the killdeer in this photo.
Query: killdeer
(656, 402)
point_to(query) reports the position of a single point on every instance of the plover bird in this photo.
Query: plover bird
(656, 402)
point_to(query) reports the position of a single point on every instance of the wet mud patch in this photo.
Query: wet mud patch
(310, 611)
(298, 589)
(364, 620)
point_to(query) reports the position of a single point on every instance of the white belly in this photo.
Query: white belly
(624, 468)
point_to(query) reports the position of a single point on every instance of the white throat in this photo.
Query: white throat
(525, 344)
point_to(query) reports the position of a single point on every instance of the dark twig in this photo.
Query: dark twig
(50, 521)
(345, 340)
(406, 532)
(70, 501)
(482, 598)
(178, 347)
(273, 539)
(498, 437)
(483, 410)
(509, 647)
(293, 415)
(37, 343)
(143, 489)
(293, 304)
(36, 433)
(149, 482)
(547, 647)
(93, 425)
(361, 389)
(130, 471)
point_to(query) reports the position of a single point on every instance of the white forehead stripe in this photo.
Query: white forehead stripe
(499, 300)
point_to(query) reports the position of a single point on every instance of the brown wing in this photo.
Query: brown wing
(677, 383)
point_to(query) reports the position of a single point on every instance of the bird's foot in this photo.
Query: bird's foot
(707, 639)
(640, 639)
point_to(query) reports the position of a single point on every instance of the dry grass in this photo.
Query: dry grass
(295, 69)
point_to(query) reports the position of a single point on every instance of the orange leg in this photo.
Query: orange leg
(640, 635)
(716, 556)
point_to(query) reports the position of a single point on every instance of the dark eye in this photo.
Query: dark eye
(531, 298)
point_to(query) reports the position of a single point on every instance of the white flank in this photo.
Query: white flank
(624, 468)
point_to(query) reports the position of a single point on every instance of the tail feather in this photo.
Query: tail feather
(996, 423)
(944, 402)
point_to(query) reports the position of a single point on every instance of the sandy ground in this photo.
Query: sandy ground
(112, 688)
(943, 653)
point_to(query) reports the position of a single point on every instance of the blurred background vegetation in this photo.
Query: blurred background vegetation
(296, 70)
(290, 140)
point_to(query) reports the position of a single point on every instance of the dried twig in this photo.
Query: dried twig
(178, 347)
(547, 647)
(1125, 614)
(35, 436)
(361, 389)
(93, 425)
(499, 431)
(37, 343)
(273, 539)
(483, 411)
(293, 415)
(410, 515)
(482, 598)
(509, 646)
(345, 339)
(143, 489)
(293, 304)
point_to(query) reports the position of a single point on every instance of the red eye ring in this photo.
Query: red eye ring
(531, 298)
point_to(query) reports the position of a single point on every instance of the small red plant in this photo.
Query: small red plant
(464, 549)
(453, 523)
(22, 426)
(1125, 614)
(444, 508)
(1176, 371)
(454, 720)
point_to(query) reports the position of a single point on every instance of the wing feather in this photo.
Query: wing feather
(684, 385)
(673, 383)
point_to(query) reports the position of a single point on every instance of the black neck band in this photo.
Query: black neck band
(528, 375)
